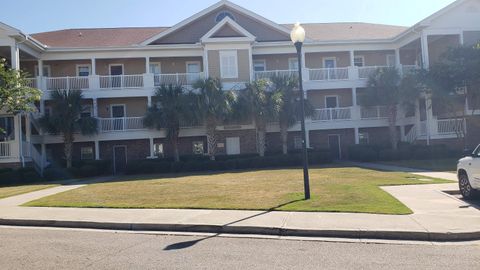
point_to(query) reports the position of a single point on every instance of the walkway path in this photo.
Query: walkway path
(426, 173)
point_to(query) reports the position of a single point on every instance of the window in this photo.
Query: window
(363, 138)
(293, 63)
(83, 71)
(86, 153)
(158, 150)
(297, 142)
(155, 68)
(331, 102)
(329, 63)
(359, 61)
(222, 16)
(7, 129)
(86, 112)
(193, 67)
(259, 65)
(198, 148)
(391, 61)
(228, 64)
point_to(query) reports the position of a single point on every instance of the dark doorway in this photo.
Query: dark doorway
(334, 146)
(119, 159)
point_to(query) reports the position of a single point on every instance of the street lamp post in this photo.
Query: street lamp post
(298, 37)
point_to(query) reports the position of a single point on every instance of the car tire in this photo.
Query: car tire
(465, 188)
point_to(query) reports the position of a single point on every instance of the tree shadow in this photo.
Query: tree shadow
(188, 244)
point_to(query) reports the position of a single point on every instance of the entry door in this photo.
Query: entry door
(233, 146)
(116, 71)
(192, 72)
(118, 115)
(119, 159)
(334, 146)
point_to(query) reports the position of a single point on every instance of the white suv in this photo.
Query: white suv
(468, 171)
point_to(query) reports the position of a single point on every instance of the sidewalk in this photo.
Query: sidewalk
(437, 217)
(391, 168)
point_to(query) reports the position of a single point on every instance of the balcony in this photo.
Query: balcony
(266, 75)
(177, 78)
(376, 112)
(120, 124)
(329, 74)
(6, 149)
(332, 114)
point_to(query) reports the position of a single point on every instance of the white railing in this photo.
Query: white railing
(328, 74)
(177, 78)
(330, 114)
(31, 82)
(121, 81)
(450, 126)
(275, 73)
(190, 123)
(5, 149)
(376, 112)
(67, 83)
(121, 124)
(411, 137)
(423, 128)
(365, 72)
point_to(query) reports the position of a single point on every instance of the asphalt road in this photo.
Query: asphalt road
(30, 248)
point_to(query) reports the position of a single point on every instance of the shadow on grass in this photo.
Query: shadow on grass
(188, 244)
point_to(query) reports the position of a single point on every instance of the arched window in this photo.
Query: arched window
(222, 15)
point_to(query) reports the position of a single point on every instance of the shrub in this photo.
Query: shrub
(363, 153)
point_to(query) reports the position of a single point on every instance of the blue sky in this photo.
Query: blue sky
(33, 16)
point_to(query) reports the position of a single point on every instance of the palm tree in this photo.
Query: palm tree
(263, 106)
(66, 119)
(383, 88)
(213, 105)
(174, 107)
(290, 109)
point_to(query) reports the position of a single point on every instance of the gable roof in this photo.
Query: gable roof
(97, 37)
(241, 33)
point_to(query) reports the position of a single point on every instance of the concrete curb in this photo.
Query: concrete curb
(271, 231)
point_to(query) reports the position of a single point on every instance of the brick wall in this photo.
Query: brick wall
(58, 152)
(319, 139)
(136, 149)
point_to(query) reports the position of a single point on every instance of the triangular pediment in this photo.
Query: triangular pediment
(193, 29)
(227, 30)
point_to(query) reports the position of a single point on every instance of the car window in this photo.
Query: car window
(476, 153)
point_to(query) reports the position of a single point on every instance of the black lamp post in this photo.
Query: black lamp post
(298, 37)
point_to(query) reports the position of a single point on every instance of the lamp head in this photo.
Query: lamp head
(297, 34)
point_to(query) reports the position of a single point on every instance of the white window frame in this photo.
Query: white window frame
(391, 56)
(124, 109)
(290, 65)
(77, 68)
(231, 74)
(297, 139)
(115, 65)
(155, 152)
(159, 64)
(329, 58)
(359, 57)
(332, 96)
(195, 63)
(82, 154)
(366, 136)
(261, 62)
(48, 67)
(193, 148)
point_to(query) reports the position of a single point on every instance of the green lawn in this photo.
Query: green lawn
(8, 191)
(348, 189)
(438, 165)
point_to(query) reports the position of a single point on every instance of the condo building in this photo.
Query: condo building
(119, 69)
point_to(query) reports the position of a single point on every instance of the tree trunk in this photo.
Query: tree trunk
(261, 142)
(284, 138)
(174, 141)
(68, 146)
(392, 127)
(211, 138)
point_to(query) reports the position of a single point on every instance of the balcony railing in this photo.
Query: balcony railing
(365, 72)
(67, 83)
(5, 149)
(121, 81)
(121, 124)
(31, 82)
(177, 78)
(275, 73)
(330, 114)
(376, 112)
(450, 126)
(329, 74)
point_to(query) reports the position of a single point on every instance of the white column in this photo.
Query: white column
(425, 56)
(307, 137)
(357, 135)
(15, 57)
(42, 106)
(94, 66)
(430, 123)
(152, 154)
(97, 150)
(147, 64)
(352, 58)
(461, 39)
(40, 68)
(149, 101)
(354, 96)
(397, 57)
(95, 107)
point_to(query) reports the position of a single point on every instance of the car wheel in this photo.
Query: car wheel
(465, 188)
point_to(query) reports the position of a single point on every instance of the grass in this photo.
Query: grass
(438, 165)
(347, 189)
(8, 191)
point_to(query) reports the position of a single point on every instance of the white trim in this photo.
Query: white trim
(329, 58)
(115, 65)
(114, 159)
(339, 143)
(247, 36)
(264, 62)
(330, 96)
(228, 53)
(77, 66)
(124, 110)
(199, 63)
(158, 63)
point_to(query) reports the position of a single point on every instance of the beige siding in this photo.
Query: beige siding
(65, 68)
(29, 67)
(192, 32)
(374, 58)
(410, 57)
(130, 66)
(176, 64)
(243, 66)
(227, 31)
(317, 98)
(440, 45)
(315, 60)
(471, 37)
(135, 107)
(275, 61)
